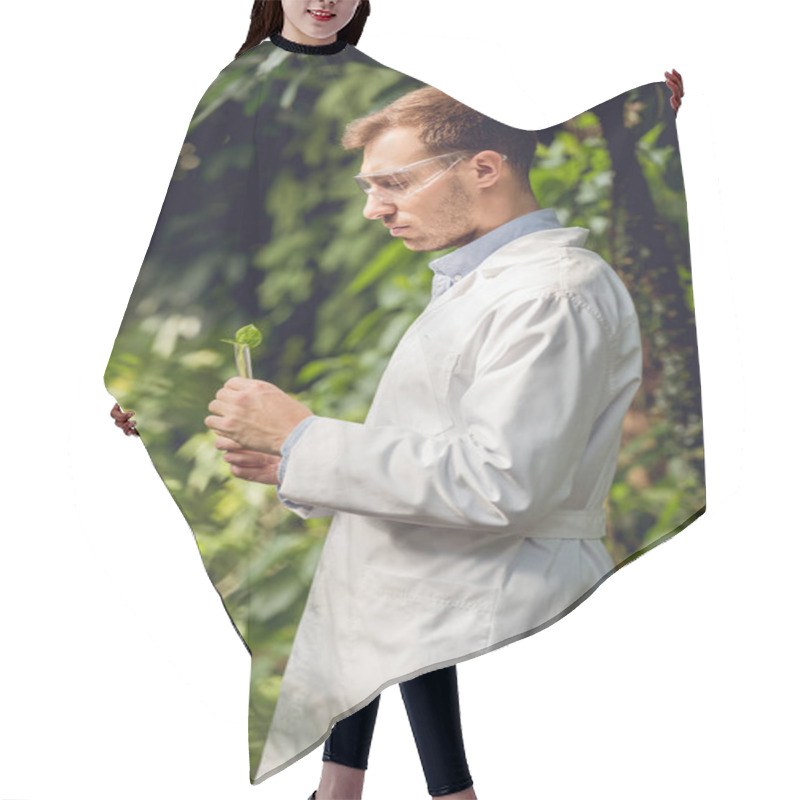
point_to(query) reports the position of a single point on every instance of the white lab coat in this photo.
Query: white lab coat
(468, 508)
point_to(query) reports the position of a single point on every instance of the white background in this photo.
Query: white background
(120, 674)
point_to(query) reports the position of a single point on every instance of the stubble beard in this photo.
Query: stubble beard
(452, 226)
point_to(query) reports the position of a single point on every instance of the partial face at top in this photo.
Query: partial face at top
(442, 214)
(315, 22)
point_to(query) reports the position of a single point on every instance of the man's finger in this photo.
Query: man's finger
(244, 458)
(215, 423)
(248, 473)
(242, 472)
(238, 383)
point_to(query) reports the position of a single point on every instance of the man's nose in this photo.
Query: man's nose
(375, 208)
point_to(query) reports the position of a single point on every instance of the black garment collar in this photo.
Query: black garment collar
(315, 49)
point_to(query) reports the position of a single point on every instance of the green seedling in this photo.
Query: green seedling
(244, 339)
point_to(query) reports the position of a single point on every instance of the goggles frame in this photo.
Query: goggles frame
(399, 191)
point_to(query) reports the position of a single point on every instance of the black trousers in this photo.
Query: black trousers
(431, 702)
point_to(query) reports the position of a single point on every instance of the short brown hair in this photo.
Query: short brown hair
(445, 125)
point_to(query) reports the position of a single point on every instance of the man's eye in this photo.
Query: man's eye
(391, 183)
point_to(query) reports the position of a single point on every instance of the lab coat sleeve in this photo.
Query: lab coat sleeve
(302, 510)
(540, 382)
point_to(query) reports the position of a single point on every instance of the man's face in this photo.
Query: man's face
(438, 216)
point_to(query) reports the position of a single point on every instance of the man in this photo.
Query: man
(469, 506)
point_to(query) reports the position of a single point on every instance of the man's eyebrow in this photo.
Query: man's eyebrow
(395, 168)
(363, 171)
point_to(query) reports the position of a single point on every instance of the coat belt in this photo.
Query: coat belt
(571, 525)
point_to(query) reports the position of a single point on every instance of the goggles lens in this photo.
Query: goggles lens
(400, 183)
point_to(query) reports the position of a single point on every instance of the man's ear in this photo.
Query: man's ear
(489, 164)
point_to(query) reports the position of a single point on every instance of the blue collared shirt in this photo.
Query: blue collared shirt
(454, 266)
(446, 270)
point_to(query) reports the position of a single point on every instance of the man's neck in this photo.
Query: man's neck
(518, 207)
(461, 261)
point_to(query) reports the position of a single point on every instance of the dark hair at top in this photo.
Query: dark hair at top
(444, 124)
(266, 18)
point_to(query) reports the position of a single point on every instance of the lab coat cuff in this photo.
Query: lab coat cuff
(317, 458)
(288, 443)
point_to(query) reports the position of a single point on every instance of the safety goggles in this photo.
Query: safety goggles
(401, 183)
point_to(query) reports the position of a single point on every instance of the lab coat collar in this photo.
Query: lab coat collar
(524, 248)
(461, 261)
(529, 245)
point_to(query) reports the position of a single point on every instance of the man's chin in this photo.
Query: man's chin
(415, 245)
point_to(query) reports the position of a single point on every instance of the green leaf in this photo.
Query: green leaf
(249, 335)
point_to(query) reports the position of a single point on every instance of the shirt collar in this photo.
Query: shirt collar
(464, 259)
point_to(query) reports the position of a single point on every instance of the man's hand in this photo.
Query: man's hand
(255, 414)
(249, 465)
